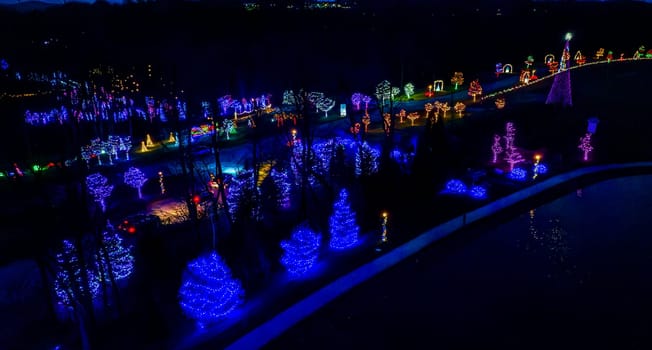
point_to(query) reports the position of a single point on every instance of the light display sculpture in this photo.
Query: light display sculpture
(585, 145)
(283, 188)
(344, 229)
(408, 89)
(457, 79)
(366, 99)
(69, 284)
(496, 148)
(135, 178)
(512, 155)
(475, 89)
(244, 195)
(560, 92)
(356, 100)
(208, 292)
(118, 258)
(99, 188)
(325, 104)
(459, 108)
(301, 251)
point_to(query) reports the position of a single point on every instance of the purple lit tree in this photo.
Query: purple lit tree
(496, 148)
(356, 99)
(208, 293)
(135, 178)
(301, 250)
(585, 145)
(366, 99)
(99, 188)
(70, 284)
(343, 227)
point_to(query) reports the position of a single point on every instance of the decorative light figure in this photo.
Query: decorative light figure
(496, 148)
(385, 219)
(459, 108)
(172, 138)
(283, 188)
(535, 168)
(478, 192)
(517, 174)
(344, 230)
(99, 188)
(208, 293)
(161, 182)
(300, 252)
(135, 178)
(143, 147)
(149, 143)
(456, 186)
(366, 160)
(585, 145)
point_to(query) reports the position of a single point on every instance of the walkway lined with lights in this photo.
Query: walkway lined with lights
(500, 92)
(274, 327)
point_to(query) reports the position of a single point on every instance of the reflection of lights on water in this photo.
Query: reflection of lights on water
(549, 239)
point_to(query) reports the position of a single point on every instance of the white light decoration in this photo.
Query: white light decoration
(438, 85)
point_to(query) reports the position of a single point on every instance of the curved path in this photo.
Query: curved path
(274, 327)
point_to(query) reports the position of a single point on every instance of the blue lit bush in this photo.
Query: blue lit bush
(517, 174)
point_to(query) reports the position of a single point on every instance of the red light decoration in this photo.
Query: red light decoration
(131, 230)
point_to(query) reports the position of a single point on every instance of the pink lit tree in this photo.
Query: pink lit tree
(585, 145)
(135, 178)
(496, 148)
(512, 155)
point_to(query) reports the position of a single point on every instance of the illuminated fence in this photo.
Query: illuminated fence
(500, 92)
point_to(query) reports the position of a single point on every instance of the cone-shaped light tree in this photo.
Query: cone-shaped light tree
(300, 252)
(344, 229)
(208, 293)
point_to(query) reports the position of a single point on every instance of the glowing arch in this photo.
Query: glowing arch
(508, 69)
(548, 58)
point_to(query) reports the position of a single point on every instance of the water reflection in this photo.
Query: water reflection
(548, 239)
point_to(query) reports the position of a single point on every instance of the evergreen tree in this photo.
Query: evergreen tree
(343, 227)
(366, 160)
(208, 293)
(301, 250)
(69, 284)
(119, 257)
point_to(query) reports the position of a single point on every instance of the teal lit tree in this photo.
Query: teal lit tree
(208, 293)
(300, 252)
(70, 286)
(343, 227)
(116, 259)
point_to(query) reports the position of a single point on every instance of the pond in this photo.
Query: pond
(572, 273)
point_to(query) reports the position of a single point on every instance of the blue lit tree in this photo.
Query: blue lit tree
(208, 293)
(283, 187)
(343, 227)
(70, 286)
(243, 197)
(115, 259)
(99, 188)
(300, 252)
(135, 178)
(366, 160)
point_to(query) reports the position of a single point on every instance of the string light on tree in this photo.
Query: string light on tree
(283, 188)
(300, 252)
(69, 284)
(343, 227)
(99, 188)
(208, 293)
(135, 178)
(459, 108)
(366, 160)
(119, 257)
(496, 148)
(161, 182)
(408, 89)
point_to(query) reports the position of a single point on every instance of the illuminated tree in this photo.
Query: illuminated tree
(208, 293)
(366, 99)
(301, 251)
(413, 116)
(459, 108)
(366, 160)
(99, 188)
(243, 197)
(283, 187)
(585, 145)
(325, 104)
(135, 178)
(409, 90)
(356, 99)
(70, 285)
(343, 227)
(444, 107)
(457, 79)
(500, 102)
(116, 259)
(512, 155)
(395, 91)
(383, 91)
(496, 148)
(475, 89)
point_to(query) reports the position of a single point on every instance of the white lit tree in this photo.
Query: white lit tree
(135, 178)
(99, 188)
(325, 104)
(383, 91)
(408, 89)
(208, 293)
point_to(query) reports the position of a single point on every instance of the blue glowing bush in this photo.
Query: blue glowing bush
(478, 192)
(517, 174)
(456, 186)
